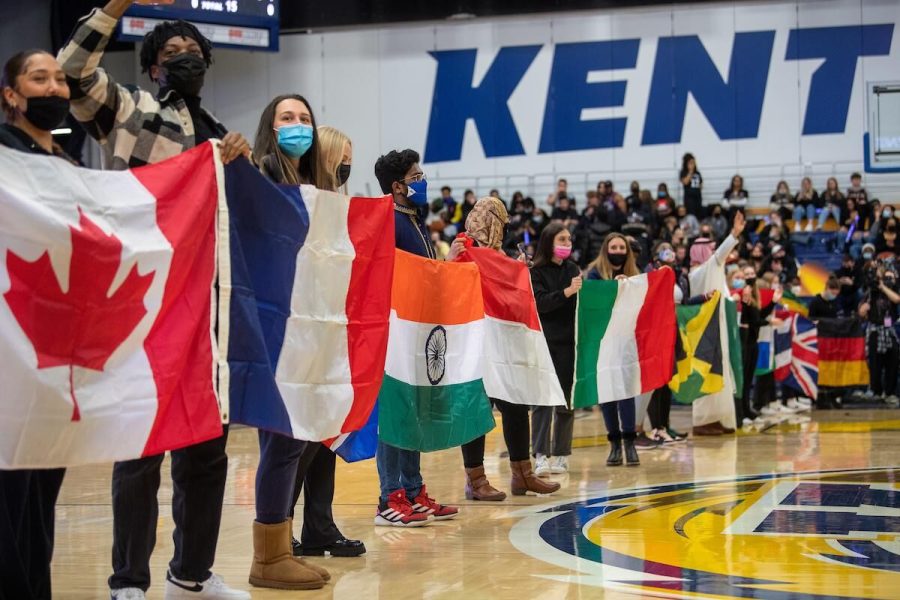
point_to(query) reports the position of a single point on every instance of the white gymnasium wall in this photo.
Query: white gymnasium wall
(377, 85)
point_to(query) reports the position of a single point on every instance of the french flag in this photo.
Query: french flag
(309, 290)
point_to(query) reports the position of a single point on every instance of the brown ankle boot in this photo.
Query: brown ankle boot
(524, 480)
(479, 488)
(273, 561)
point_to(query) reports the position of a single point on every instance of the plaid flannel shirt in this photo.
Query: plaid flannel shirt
(134, 127)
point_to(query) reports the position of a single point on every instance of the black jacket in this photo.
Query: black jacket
(557, 312)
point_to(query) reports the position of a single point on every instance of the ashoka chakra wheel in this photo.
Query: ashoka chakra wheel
(436, 354)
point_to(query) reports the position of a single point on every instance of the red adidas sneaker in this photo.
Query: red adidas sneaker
(398, 512)
(424, 504)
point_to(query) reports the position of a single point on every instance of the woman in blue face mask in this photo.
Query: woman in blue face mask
(287, 144)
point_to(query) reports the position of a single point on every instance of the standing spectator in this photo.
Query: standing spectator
(693, 185)
(827, 304)
(735, 197)
(879, 308)
(833, 201)
(556, 281)
(857, 193)
(468, 204)
(35, 101)
(805, 204)
(616, 261)
(634, 198)
(753, 316)
(781, 201)
(562, 191)
(136, 127)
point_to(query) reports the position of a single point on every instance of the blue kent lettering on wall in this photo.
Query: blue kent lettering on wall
(732, 104)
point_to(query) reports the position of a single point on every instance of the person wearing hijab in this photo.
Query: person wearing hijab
(486, 227)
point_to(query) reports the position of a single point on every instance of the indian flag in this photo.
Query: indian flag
(433, 394)
(625, 337)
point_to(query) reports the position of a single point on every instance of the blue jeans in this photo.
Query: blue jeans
(398, 468)
(834, 211)
(279, 456)
(614, 412)
(809, 210)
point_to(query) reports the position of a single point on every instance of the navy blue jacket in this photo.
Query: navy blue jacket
(411, 235)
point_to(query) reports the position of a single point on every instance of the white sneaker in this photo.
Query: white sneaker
(804, 401)
(747, 422)
(768, 411)
(892, 400)
(127, 594)
(781, 409)
(796, 226)
(795, 405)
(809, 226)
(542, 466)
(559, 465)
(213, 587)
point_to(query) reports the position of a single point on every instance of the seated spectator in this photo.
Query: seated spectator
(717, 222)
(735, 197)
(617, 215)
(688, 222)
(805, 203)
(886, 242)
(849, 276)
(832, 201)
(468, 204)
(665, 205)
(782, 201)
(564, 213)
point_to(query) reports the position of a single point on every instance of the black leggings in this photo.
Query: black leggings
(516, 433)
(659, 407)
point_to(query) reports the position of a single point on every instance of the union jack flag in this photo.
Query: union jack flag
(797, 354)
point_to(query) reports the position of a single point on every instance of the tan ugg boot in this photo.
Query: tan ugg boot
(524, 480)
(273, 562)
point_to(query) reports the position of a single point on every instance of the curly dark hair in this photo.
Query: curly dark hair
(393, 166)
(156, 39)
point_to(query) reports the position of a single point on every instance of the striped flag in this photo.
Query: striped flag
(107, 309)
(518, 367)
(308, 290)
(798, 356)
(433, 395)
(765, 360)
(625, 337)
(842, 353)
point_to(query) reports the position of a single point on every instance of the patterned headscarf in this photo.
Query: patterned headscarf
(702, 249)
(486, 223)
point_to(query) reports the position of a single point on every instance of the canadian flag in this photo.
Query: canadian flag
(106, 309)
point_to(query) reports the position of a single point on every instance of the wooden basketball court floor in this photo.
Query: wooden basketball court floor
(693, 520)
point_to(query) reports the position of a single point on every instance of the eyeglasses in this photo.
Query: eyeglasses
(417, 177)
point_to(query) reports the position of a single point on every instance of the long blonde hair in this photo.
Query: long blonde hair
(331, 147)
(605, 268)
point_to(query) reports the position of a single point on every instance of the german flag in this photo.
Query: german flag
(698, 352)
(842, 353)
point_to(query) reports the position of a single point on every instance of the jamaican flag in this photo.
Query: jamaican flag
(698, 351)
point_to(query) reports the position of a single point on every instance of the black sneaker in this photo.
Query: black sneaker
(296, 547)
(646, 443)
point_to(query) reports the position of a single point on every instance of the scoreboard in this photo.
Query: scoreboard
(244, 24)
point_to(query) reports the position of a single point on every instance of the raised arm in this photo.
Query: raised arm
(97, 100)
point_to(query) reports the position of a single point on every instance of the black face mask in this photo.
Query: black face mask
(617, 260)
(343, 174)
(184, 74)
(750, 281)
(46, 112)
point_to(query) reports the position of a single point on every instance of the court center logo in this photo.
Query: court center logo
(790, 536)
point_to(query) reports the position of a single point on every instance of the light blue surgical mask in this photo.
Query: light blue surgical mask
(418, 192)
(295, 140)
(738, 284)
(667, 255)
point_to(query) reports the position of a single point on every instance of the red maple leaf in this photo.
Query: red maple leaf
(84, 325)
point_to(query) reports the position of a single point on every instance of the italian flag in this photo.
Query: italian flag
(625, 337)
(433, 394)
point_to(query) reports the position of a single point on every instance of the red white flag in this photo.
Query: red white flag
(106, 312)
